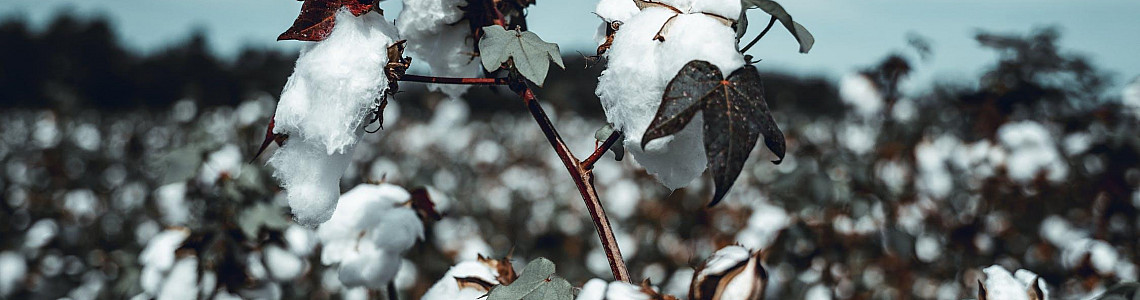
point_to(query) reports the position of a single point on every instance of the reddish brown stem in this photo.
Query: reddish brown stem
(453, 80)
(588, 164)
(584, 179)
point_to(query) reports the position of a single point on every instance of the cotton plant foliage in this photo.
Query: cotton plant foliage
(323, 110)
(648, 50)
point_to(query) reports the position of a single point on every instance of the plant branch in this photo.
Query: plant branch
(583, 178)
(762, 33)
(588, 164)
(453, 80)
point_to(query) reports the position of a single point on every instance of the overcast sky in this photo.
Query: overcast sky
(849, 34)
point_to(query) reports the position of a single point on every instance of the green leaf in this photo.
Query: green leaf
(536, 282)
(734, 112)
(802, 35)
(262, 215)
(530, 54)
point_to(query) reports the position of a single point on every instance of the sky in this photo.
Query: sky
(849, 34)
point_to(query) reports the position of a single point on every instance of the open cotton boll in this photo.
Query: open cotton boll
(182, 278)
(223, 162)
(1028, 278)
(447, 288)
(398, 231)
(370, 267)
(1000, 284)
(1032, 150)
(282, 264)
(637, 72)
(323, 108)
(335, 82)
(368, 233)
(438, 36)
(861, 93)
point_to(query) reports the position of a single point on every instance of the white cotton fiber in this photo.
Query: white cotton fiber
(335, 82)
(616, 10)
(13, 268)
(637, 72)
(1032, 150)
(860, 92)
(447, 288)
(311, 179)
(182, 281)
(729, 9)
(438, 36)
(368, 233)
(1001, 285)
(323, 108)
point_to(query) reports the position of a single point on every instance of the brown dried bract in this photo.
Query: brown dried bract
(318, 17)
(503, 267)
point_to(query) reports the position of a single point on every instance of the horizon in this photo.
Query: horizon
(850, 37)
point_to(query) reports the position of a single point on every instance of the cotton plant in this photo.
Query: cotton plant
(369, 232)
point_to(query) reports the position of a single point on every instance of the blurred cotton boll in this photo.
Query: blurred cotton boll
(368, 233)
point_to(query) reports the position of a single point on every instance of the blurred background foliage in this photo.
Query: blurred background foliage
(884, 194)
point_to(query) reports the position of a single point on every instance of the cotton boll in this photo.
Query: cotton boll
(1001, 285)
(226, 162)
(764, 226)
(183, 277)
(282, 265)
(438, 36)
(367, 234)
(13, 268)
(323, 108)
(370, 267)
(1028, 278)
(301, 241)
(447, 288)
(595, 289)
(860, 92)
(335, 82)
(171, 201)
(159, 252)
(638, 70)
(1032, 150)
(398, 231)
(732, 272)
(311, 179)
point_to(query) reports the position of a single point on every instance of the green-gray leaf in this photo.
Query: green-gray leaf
(802, 35)
(531, 54)
(536, 282)
(262, 215)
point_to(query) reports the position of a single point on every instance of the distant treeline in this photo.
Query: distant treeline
(80, 63)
